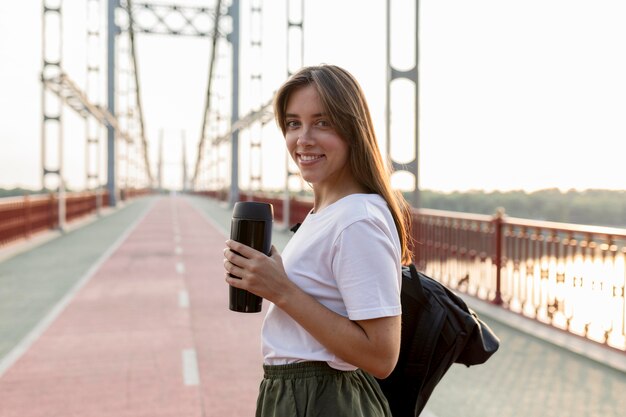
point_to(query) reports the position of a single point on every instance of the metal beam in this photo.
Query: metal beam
(52, 110)
(295, 24)
(255, 173)
(77, 100)
(207, 104)
(263, 115)
(163, 19)
(412, 75)
(233, 37)
(142, 132)
(112, 30)
(92, 92)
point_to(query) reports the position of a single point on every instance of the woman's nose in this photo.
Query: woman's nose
(305, 137)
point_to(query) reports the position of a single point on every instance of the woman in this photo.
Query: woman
(334, 321)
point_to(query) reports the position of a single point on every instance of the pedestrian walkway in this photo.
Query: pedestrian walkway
(128, 316)
(146, 332)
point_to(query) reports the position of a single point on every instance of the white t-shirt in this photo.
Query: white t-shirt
(348, 257)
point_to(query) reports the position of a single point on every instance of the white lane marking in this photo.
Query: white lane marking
(178, 250)
(180, 267)
(183, 299)
(191, 376)
(25, 344)
(176, 239)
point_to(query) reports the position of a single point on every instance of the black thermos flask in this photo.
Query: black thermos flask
(251, 225)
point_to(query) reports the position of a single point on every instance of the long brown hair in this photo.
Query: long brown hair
(344, 101)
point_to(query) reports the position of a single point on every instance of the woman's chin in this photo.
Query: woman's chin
(309, 179)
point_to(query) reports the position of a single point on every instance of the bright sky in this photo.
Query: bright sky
(515, 94)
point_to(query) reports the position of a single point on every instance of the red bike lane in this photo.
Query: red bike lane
(149, 334)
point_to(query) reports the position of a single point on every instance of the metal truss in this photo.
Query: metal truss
(207, 106)
(133, 54)
(263, 115)
(52, 108)
(92, 82)
(70, 94)
(60, 90)
(295, 31)
(233, 38)
(165, 19)
(255, 165)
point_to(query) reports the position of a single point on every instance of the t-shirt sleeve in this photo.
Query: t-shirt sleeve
(366, 266)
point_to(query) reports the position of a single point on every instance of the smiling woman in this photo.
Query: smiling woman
(334, 319)
(320, 153)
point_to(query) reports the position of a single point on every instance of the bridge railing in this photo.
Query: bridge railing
(569, 276)
(21, 217)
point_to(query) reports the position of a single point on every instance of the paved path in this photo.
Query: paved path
(148, 334)
(128, 316)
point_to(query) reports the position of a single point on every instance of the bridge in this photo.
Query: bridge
(112, 298)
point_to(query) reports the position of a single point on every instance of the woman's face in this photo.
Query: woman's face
(320, 153)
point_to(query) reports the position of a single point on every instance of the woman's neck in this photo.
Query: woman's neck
(325, 196)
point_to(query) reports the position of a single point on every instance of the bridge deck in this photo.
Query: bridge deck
(128, 316)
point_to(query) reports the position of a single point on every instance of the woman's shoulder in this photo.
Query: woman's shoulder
(363, 204)
(359, 207)
(366, 218)
(354, 218)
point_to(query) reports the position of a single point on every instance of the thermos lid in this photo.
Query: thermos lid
(252, 210)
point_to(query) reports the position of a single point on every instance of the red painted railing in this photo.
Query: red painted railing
(569, 276)
(20, 217)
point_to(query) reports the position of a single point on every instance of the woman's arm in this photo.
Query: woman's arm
(372, 345)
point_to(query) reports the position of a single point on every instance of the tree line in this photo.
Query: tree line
(593, 207)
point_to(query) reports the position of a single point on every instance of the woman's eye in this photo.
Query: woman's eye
(291, 123)
(324, 123)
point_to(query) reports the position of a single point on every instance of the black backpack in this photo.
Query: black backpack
(438, 329)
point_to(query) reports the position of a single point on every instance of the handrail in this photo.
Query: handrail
(578, 228)
(569, 276)
(21, 217)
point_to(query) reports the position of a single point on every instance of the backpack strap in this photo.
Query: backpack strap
(415, 289)
(427, 327)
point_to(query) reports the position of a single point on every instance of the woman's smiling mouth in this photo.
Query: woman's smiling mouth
(307, 159)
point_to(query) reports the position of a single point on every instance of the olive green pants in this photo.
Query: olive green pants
(314, 389)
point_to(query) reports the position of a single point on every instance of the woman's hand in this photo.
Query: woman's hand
(260, 274)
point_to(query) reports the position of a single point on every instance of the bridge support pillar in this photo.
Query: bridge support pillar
(112, 31)
(233, 38)
(412, 75)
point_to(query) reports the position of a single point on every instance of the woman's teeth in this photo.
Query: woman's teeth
(310, 157)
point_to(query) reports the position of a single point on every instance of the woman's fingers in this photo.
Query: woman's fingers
(253, 271)
(234, 273)
(238, 263)
(245, 250)
(229, 267)
(234, 280)
(234, 257)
